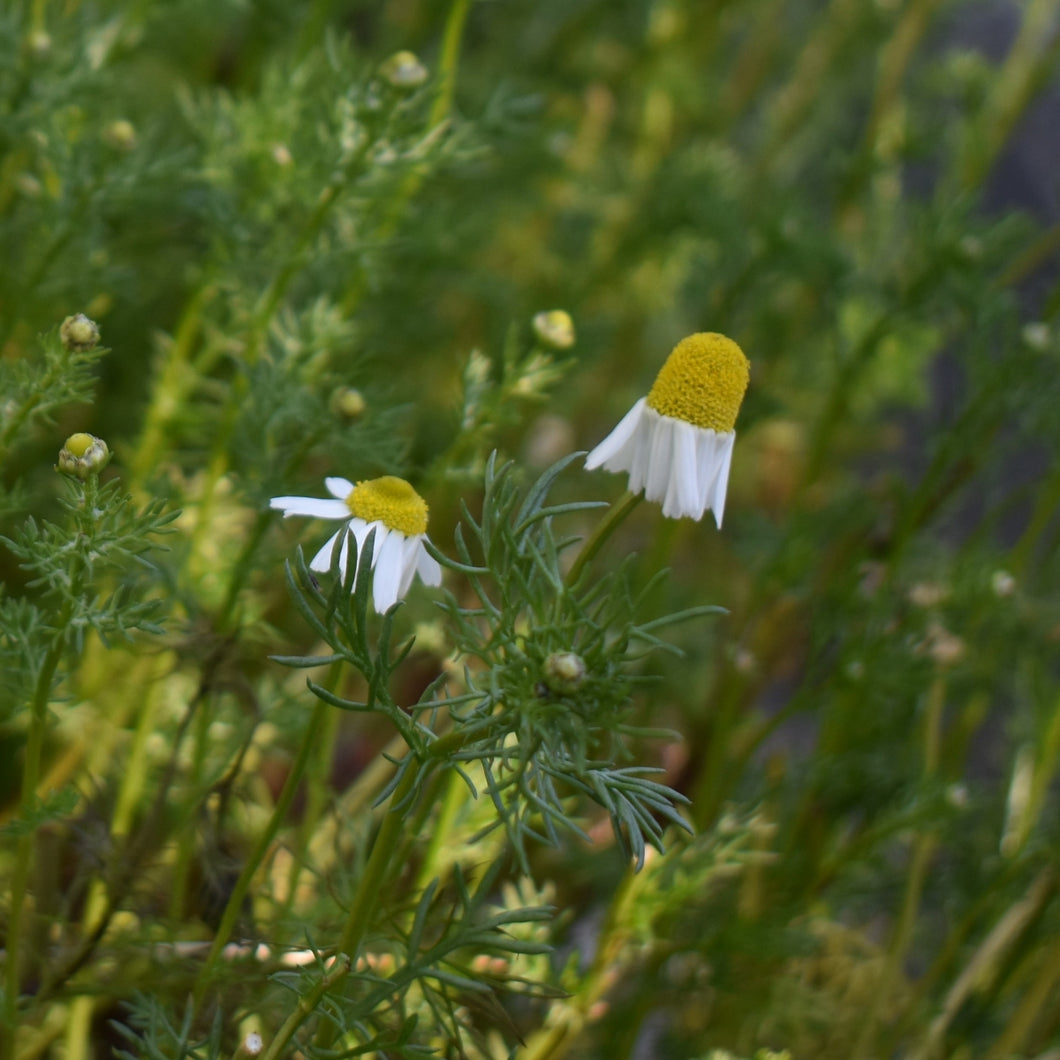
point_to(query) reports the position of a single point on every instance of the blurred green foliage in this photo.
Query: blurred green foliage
(258, 218)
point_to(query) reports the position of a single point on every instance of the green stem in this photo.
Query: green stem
(31, 770)
(261, 849)
(381, 862)
(447, 71)
(454, 793)
(306, 1007)
(450, 60)
(923, 849)
(31, 775)
(616, 514)
(554, 1040)
(318, 785)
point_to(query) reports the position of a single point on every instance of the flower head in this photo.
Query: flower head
(397, 514)
(79, 333)
(677, 442)
(83, 455)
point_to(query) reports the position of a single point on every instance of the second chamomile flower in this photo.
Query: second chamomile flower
(677, 442)
(398, 515)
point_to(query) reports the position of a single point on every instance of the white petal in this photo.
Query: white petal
(428, 568)
(409, 556)
(721, 483)
(682, 491)
(319, 507)
(339, 487)
(660, 460)
(386, 579)
(344, 554)
(616, 440)
(639, 448)
(322, 560)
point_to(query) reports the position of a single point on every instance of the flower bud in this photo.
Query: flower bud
(348, 402)
(554, 329)
(79, 333)
(564, 671)
(120, 134)
(404, 70)
(83, 455)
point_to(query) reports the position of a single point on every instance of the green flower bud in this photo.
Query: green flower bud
(564, 671)
(348, 402)
(554, 329)
(79, 333)
(83, 455)
(404, 70)
(121, 135)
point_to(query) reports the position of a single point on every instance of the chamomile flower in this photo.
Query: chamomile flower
(397, 514)
(677, 442)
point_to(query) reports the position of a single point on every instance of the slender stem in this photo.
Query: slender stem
(318, 784)
(981, 970)
(554, 1041)
(614, 518)
(450, 60)
(133, 783)
(1021, 1023)
(382, 861)
(454, 793)
(261, 849)
(306, 1007)
(31, 770)
(923, 849)
(447, 71)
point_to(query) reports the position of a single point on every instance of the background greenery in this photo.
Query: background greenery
(861, 194)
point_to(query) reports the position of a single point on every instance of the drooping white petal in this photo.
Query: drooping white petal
(682, 491)
(428, 568)
(614, 442)
(318, 507)
(721, 483)
(660, 461)
(683, 467)
(322, 560)
(339, 487)
(386, 579)
(636, 454)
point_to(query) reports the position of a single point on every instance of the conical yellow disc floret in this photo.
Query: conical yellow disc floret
(391, 501)
(702, 382)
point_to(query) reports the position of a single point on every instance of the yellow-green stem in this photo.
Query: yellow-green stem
(261, 849)
(605, 528)
(381, 862)
(318, 785)
(186, 838)
(133, 782)
(305, 1008)
(553, 1042)
(454, 793)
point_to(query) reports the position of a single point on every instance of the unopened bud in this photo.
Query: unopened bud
(564, 671)
(348, 402)
(79, 333)
(40, 44)
(121, 135)
(404, 70)
(554, 328)
(83, 455)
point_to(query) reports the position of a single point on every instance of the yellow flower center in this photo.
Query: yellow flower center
(390, 501)
(702, 382)
(79, 443)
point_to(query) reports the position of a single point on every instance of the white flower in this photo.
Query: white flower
(677, 442)
(397, 514)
